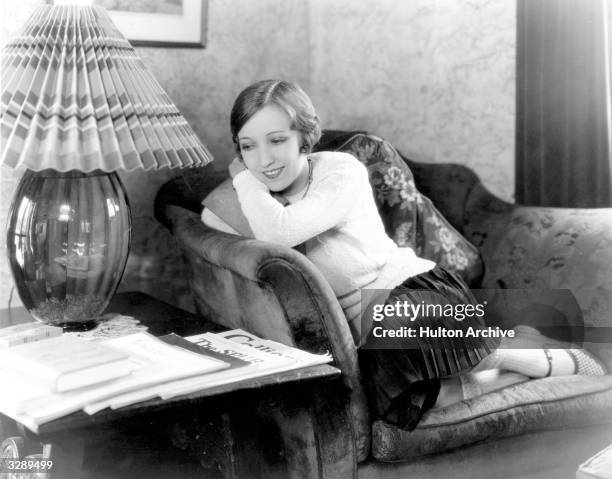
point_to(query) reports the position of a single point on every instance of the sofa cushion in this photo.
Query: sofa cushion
(223, 202)
(536, 405)
(548, 454)
(410, 218)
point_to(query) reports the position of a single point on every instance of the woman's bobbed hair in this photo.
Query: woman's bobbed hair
(286, 95)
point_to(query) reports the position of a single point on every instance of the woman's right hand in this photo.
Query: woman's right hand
(236, 166)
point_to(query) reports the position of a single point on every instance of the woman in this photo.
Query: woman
(323, 203)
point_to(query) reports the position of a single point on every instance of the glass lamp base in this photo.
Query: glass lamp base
(68, 241)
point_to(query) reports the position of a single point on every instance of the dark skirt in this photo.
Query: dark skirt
(402, 377)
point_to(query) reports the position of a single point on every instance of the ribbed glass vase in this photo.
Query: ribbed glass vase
(68, 242)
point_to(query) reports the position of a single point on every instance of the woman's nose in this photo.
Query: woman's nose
(265, 159)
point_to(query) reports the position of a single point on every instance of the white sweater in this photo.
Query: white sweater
(342, 230)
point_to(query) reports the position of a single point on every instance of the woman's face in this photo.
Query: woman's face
(270, 149)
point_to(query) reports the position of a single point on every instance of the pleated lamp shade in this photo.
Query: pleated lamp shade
(75, 96)
(77, 104)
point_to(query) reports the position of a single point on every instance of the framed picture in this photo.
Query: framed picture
(158, 23)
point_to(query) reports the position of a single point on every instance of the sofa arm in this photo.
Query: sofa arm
(274, 292)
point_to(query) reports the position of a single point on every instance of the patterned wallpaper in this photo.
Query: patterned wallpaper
(435, 77)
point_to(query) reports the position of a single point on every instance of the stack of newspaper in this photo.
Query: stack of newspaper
(55, 377)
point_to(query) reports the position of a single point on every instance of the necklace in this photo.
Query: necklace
(309, 177)
(286, 199)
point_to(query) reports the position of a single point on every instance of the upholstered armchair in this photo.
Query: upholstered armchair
(277, 293)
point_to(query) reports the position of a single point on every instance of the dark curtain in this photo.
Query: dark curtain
(563, 126)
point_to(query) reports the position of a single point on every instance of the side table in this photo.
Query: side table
(280, 426)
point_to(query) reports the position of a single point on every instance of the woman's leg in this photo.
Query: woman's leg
(532, 362)
(517, 360)
(402, 374)
(534, 355)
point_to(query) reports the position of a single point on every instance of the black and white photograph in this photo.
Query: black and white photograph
(306, 239)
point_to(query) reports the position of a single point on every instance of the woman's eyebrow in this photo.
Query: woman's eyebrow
(275, 132)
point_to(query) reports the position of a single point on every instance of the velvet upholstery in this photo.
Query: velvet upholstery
(277, 293)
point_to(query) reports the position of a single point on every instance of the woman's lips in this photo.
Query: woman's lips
(273, 174)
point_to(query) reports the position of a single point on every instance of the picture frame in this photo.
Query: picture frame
(160, 23)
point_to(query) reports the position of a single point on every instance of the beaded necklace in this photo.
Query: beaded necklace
(285, 200)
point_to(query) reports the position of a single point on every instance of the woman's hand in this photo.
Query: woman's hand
(236, 166)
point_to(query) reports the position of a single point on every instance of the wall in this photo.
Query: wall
(435, 77)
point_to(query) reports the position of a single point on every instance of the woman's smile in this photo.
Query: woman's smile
(273, 174)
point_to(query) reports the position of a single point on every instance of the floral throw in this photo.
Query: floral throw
(409, 217)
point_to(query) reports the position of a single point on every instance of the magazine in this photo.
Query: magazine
(272, 347)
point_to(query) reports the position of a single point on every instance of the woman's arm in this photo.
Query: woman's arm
(326, 204)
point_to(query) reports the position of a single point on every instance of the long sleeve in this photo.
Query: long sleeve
(328, 202)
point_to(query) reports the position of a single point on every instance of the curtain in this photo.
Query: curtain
(563, 123)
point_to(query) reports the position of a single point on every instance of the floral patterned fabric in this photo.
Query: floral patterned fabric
(535, 248)
(409, 217)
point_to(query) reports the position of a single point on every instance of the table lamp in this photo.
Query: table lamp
(78, 104)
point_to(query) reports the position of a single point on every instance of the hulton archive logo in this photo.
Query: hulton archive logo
(422, 311)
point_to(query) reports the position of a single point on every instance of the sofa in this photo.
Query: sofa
(445, 213)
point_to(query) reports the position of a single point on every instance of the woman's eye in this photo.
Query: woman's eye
(246, 147)
(277, 141)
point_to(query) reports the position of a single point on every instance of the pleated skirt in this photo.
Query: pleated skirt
(409, 370)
